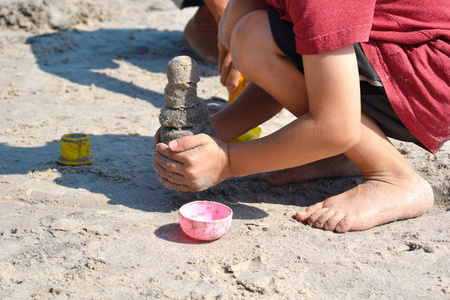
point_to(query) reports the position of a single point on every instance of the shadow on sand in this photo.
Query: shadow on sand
(122, 173)
(79, 56)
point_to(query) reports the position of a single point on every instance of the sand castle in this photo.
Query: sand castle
(183, 114)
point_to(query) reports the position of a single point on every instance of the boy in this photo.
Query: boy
(352, 73)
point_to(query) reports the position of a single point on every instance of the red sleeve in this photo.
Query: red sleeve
(323, 25)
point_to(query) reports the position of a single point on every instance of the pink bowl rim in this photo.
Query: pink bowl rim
(206, 201)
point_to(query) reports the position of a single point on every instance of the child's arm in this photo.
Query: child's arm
(330, 127)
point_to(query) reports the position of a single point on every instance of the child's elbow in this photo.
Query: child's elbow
(349, 138)
(344, 138)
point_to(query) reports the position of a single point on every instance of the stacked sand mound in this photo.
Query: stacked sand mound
(183, 114)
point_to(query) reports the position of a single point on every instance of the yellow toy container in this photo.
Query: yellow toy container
(239, 89)
(75, 149)
(251, 134)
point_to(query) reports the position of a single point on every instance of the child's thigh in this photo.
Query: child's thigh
(233, 13)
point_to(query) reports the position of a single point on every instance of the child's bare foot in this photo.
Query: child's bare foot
(379, 200)
(200, 34)
(337, 166)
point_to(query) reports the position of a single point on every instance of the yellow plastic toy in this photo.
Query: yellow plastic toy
(251, 134)
(75, 149)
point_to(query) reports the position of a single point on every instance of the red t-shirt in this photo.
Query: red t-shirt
(407, 43)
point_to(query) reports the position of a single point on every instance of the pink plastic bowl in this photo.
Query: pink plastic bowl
(205, 220)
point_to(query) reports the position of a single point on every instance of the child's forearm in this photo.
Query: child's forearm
(253, 107)
(298, 143)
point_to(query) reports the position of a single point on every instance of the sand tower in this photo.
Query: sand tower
(183, 114)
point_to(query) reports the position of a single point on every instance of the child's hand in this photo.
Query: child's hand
(192, 163)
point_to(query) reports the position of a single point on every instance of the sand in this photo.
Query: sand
(110, 230)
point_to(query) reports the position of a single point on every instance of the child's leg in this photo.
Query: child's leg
(200, 34)
(258, 58)
(391, 191)
(336, 166)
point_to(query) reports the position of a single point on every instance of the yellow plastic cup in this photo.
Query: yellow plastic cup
(248, 136)
(251, 134)
(239, 89)
(75, 149)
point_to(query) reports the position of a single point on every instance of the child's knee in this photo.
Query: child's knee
(247, 35)
(249, 25)
(235, 11)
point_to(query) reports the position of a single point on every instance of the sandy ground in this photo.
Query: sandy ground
(110, 230)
